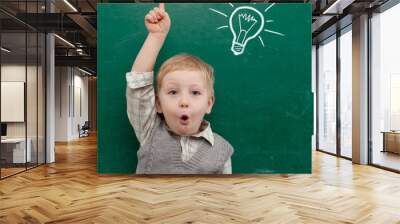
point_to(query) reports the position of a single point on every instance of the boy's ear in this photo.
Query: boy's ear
(158, 105)
(210, 103)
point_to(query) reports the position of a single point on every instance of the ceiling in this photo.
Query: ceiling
(76, 22)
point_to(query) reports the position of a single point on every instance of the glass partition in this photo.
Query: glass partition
(32, 95)
(327, 95)
(41, 107)
(346, 92)
(22, 88)
(13, 107)
(385, 89)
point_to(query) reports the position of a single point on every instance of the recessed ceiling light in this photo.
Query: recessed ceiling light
(70, 5)
(5, 50)
(84, 71)
(64, 40)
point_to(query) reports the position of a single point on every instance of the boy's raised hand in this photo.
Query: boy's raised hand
(157, 20)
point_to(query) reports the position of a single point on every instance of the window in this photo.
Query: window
(346, 92)
(385, 88)
(327, 95)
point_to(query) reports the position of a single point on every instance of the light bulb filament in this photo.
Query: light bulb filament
(246, 23)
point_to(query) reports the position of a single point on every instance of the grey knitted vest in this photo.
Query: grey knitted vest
(162, 154)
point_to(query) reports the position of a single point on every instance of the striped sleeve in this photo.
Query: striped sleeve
(140, 100)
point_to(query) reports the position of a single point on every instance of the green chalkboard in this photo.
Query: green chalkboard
(264, 103)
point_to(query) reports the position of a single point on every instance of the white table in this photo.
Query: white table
(18, 145)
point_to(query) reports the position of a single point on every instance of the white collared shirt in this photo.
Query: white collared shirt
(142, 113)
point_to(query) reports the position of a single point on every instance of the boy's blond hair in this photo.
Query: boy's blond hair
(189, 63)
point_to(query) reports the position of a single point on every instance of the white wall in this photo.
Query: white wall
(14, 73)
(80, 118)
(80, 105)
(61, 103)
(12, 101)
(71, 94)
(314, 90)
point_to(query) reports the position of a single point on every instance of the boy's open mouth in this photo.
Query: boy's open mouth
(184, 119)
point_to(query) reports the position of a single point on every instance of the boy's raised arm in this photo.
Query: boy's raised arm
(139, 92)
(157, 22)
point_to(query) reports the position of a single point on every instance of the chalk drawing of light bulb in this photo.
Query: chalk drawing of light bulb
(245, 23)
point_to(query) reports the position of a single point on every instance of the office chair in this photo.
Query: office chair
(84, 130)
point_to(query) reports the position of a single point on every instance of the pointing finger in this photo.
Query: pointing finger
(162, 6)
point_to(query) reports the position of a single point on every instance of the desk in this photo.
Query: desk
(391, 141)
(16, 147)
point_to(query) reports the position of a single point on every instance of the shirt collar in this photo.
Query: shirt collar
(205, 132)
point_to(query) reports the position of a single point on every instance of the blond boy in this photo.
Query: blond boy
(174, 138)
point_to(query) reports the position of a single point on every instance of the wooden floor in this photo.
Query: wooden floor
(70, 191)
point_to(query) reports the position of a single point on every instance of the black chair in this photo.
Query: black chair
(84, 130)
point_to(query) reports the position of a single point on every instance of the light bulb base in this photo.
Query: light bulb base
(237, 48)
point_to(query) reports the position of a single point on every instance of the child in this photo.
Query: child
(174, 138)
